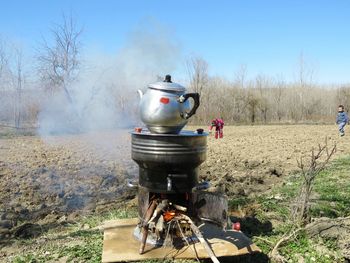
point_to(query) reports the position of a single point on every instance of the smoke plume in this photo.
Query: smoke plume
(104, 96)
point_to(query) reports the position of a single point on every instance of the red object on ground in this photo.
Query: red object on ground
(236, 226)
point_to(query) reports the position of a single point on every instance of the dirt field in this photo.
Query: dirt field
(251, 159)
(60, 178)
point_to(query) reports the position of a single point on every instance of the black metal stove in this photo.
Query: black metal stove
(169, 187)
(168, 164)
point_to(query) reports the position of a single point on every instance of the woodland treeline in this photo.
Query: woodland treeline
(261, 100)
(265, 99)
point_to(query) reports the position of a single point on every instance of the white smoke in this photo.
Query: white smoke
(105, 95)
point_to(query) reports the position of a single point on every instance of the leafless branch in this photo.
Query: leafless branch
(59, 62)
(319, 160)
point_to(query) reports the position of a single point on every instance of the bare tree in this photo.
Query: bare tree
(197, 69)
(277, 98)
(305, 79)
(241, 76)
(343, 96)
(209, 104)
(3, 60)
(4, 92)
(309, 172)
(59, 62)
(262, 85)
(239, 94)
(253, 105)
(305, 72)
(11, 83)
(18, 83)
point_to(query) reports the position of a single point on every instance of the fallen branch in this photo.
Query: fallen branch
(185, 238)
(315, 228)
(201, 239)
(274, 255)
(329, 227)
(265, 240)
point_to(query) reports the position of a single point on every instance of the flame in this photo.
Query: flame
(168, 215)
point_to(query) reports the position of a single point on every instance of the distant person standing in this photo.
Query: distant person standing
(342, 119)
(218, 123)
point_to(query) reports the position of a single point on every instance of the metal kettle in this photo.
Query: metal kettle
(165, 108)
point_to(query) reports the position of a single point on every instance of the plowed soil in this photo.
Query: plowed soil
(43, 180)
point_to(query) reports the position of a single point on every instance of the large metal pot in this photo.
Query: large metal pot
(165, 107)
(168, 163)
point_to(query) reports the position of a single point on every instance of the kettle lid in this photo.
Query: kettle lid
(167, 84)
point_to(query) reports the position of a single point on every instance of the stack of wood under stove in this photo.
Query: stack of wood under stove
(168, 223)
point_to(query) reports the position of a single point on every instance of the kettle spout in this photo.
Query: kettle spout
(140, 93)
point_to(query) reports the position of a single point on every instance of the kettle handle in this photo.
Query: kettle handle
(195, 97)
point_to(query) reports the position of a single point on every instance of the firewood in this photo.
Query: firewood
(201, 239)
(144, 225)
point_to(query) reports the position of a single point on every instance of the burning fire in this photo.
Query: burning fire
(169, 215)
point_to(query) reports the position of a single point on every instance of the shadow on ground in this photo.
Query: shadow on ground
(251, 226)
(253, 258)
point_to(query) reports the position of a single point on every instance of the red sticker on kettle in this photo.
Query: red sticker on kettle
(164, 100)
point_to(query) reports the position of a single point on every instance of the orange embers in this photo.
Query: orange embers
(168, 215)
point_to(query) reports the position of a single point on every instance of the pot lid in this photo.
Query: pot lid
(167, 84)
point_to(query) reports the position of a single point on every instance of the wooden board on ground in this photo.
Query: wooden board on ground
(119, 244)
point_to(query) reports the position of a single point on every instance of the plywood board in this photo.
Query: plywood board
(119, 244)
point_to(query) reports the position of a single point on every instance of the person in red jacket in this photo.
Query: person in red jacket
(218, 123)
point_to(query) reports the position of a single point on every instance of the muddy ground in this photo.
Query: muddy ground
(48, 180)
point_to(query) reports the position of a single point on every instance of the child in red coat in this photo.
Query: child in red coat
(219, 126)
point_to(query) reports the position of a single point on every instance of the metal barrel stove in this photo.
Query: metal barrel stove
(169, 163)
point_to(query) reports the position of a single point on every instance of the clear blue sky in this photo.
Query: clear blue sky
(267, 36)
